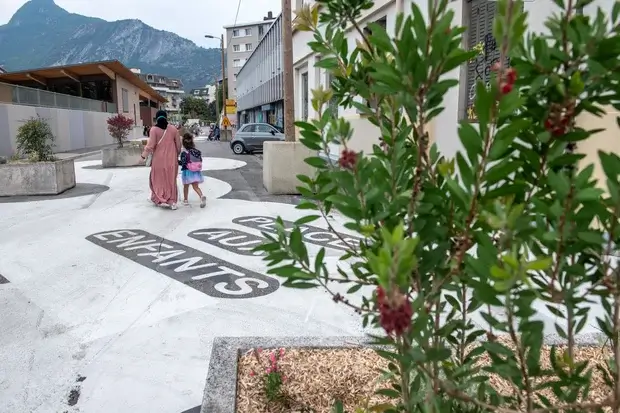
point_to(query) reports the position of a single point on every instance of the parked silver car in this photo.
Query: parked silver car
(251, 137)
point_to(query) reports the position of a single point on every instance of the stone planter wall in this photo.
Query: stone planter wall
(40, 178)
(128, 155)
(220, 395)
(282, 162)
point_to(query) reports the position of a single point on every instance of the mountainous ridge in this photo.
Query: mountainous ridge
(42, 34)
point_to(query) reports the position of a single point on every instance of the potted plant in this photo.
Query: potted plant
(34, 170)
(119, 127)
(480, 270)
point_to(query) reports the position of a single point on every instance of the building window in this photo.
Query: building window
(248, 31)
(236, 33)
(236, 48)
(304, 96)
(248, 47)
(237, 63)
(261, 30)
(125, 99)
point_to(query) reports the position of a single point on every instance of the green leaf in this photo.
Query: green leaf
(471, 140)
(338, 407)
(459, 194)
(539, 264)
(589, 194)
(316, 161)
(307, 219)
(302, 285)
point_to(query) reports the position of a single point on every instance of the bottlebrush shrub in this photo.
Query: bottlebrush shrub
(457, 250)
(119, 127)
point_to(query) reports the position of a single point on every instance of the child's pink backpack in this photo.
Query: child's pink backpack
(194, 161)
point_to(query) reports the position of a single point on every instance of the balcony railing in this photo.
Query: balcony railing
(37, 97)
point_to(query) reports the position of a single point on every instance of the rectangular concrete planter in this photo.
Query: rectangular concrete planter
(282, 162)
(40, 178)
(129, 155)
(220, 395)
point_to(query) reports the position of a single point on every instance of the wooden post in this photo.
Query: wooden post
(223, 84)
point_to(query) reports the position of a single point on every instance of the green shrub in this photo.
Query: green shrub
(35, 140)
(458, 254)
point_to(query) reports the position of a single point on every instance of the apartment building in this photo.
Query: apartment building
(206, 93)
(241, 40)
(171, 89)
(260, 83)
(477, 16)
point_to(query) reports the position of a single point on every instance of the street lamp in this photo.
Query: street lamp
(208, 36)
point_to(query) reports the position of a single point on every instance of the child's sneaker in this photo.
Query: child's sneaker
(203, 201)
(173, 207)
(185, 202)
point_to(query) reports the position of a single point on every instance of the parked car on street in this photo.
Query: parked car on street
(251, 137)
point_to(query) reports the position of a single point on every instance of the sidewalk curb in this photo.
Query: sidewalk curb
(80, 155)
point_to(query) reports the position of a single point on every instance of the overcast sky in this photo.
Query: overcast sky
(191, 19)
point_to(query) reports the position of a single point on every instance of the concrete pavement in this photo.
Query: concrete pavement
(111, 304)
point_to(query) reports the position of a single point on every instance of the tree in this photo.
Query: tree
(212, 112)
(194, 108)
(119, 127)
(452, 251)
(219, 93)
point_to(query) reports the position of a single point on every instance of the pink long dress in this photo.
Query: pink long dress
(165, 166)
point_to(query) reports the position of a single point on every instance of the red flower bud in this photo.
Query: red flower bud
(511, 75)
(348, 159)
(506, 88)
(548, 124)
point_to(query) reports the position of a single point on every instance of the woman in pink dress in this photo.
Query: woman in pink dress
(165, 145)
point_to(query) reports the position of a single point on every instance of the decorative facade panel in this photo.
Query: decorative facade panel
(480, 16)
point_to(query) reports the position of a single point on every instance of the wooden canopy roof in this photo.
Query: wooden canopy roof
(110, 68)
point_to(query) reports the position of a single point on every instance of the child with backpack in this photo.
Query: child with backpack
(191, 169)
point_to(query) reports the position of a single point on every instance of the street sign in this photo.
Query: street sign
(226, 122)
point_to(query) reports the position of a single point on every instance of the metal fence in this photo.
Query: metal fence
(36, 97)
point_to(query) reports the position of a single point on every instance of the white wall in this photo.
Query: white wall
(73, 129)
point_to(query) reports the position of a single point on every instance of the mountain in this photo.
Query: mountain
(42, 34)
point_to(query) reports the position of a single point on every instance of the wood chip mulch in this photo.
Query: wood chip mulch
(315, 378)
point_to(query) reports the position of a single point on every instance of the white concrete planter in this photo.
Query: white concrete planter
(128, 155)
(40, 178)
(282, 162)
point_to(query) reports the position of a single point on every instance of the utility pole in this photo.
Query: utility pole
(208, 36)
(223, 84)
(287, 55)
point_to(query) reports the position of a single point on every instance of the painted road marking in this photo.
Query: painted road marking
(203, 272)
(313, 235)
(231, 240)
